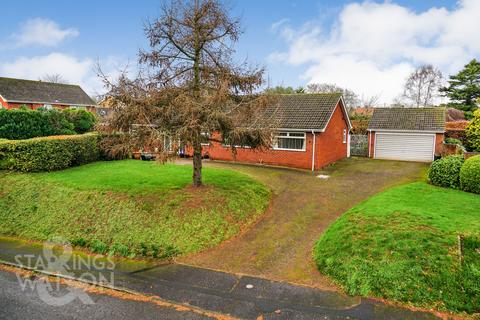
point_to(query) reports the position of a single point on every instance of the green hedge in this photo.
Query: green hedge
(83, 121)
(445, 172)
(48, 153)
(470, 175)
(23, 123)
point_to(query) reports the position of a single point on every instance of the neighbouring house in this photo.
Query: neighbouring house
(410, 134)
(15, 93)
(313, 132)
(106, 107)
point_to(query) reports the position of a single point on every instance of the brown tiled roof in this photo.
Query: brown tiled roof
(19, 90)
(408, 119)
(304, 111)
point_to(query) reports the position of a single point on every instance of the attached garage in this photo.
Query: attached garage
(408, 134)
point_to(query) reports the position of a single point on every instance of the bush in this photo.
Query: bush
(83, 121)
(359, 126)
(48, 153)
(24, 123)
(470, 175)
(453, 141)
(58, 123)
(445, 172)
(472, 133)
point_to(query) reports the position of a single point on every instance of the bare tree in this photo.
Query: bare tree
(422, 86)
(351, 98)
(54, 78)
(189, 89)
(369, 101)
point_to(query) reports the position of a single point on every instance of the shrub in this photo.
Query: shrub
(470, 175)
(359, 126)
(472, 133)
(453, 141)
(24, 123)
(83, 121)
(457, 125)
(445, 172)
(48, 153)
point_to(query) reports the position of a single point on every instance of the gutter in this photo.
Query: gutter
(313, 151)
(404, 131)
(53, 103)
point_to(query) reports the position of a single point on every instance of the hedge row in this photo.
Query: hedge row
(25, 124)
(48, 153)
(457, 173)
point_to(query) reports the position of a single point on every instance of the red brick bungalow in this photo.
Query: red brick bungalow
(314, 132)
(15, 93)
(409, 134)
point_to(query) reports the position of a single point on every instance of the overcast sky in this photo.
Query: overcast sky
(369, 47)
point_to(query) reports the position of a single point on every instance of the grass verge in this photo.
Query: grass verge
(402, 245)
(130, 207)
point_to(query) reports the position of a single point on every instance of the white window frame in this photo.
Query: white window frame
(287, 134)
(47, 107)
(345, 136)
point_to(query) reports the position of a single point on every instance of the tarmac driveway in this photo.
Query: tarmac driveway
(279, 246)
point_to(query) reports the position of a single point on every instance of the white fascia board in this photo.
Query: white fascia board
(404, 131)
(59, 103)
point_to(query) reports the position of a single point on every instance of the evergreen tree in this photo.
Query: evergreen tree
(464, 87)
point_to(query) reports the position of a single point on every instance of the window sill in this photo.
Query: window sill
(294, 150)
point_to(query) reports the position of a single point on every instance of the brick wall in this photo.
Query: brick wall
(329, 147)
(439, 143)
(295, 159)
(34, 106)
(371, 144)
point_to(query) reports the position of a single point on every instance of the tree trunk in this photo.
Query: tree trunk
(197, 146)
(197, 165)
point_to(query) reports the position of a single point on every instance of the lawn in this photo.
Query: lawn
(402, 245)
(131, 207)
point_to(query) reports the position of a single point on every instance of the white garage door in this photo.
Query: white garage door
(402, 146)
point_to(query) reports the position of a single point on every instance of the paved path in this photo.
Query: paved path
(280, 245)
(234, 295)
